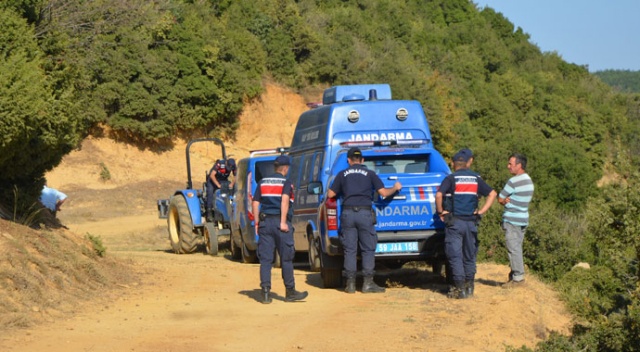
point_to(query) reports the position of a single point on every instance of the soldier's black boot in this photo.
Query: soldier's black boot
(468, 288)
(453, 292)
(265, 295)
(293, 295)
(351, 285)
(370, 287)
(209, 215)
(458, 291)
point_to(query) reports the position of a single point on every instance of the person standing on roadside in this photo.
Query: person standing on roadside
(516, 196)
(356, 185)
(461, 216)
(272, 201)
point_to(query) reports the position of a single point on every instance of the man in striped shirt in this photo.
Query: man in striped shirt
(516, 196)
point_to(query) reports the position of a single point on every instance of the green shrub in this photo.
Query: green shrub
(590, 293)
(96, 243)
(105, 174)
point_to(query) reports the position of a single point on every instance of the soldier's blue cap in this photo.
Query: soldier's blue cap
(463, 155)
(354, 153)
(283, 160)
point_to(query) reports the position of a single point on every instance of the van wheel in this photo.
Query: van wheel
(211, 238)
(235, 250)
(277, 261)
(314, 257)
(248, 256)
(331, 270)
(181, 234)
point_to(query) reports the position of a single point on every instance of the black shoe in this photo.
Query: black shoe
(370, 287)
(468, 288)
(513, 284)
(351, 286)
(458, 290)
(265, 296)
(293, 295)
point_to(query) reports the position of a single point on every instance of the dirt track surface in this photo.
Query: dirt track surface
(201, 303)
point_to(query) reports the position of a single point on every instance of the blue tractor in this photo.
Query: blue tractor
(185, 212)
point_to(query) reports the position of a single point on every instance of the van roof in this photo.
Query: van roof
(360, 121)
(338, 94)
(271, 151)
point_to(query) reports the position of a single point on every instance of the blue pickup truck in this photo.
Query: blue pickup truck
(244, 239)
(395, 140)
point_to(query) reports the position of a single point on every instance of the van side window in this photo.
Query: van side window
(306, 170)
(317, 166)
(294, 171)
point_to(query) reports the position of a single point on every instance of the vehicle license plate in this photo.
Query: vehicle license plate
(397, 247)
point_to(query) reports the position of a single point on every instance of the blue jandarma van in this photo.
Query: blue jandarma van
(396, 142)
(244, 240)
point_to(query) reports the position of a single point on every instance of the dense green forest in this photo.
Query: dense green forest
(146, 72)
(624, 80)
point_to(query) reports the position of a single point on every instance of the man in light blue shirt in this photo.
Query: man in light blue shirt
(52, 199)
(516, 196)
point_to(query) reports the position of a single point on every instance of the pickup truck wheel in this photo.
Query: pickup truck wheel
(314, 257)
(211, 238)
(235, 250)
(181, 235)
(248, 256)
(331, 270)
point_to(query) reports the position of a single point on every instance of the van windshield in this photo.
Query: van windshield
(391, 164)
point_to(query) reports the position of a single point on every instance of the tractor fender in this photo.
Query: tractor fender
(193, 203)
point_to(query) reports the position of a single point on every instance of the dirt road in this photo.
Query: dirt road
(192, 303)
(202, 303)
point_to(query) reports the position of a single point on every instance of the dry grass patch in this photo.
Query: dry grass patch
(49, 273)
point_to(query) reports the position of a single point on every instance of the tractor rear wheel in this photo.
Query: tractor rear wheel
(181, 235)
(211, 238)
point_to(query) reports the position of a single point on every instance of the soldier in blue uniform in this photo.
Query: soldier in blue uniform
(356, 185)
(461, 217)
(272, 201)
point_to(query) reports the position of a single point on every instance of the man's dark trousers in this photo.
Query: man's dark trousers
(211, 191)
(271, 238)
(461, 247)
(357, 227)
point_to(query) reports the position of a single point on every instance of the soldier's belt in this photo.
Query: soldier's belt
(356, 208)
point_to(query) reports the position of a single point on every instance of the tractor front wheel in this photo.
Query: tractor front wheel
(211, 238)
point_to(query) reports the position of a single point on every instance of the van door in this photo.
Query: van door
(305, 204)
(406, 222)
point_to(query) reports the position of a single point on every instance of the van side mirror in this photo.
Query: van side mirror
(314, 187)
